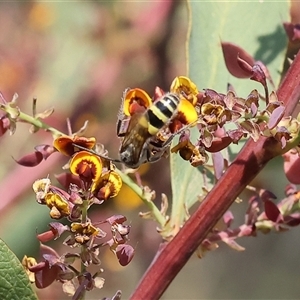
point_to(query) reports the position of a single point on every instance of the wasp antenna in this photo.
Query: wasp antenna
(95, 153)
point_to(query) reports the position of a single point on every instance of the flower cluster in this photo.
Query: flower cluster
(262, 214)
(89, 182)
(216, 110)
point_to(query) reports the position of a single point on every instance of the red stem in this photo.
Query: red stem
(249, 162)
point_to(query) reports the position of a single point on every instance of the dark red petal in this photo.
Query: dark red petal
(259, 75)
(266, 195)
(30, 160)
(218, 144)
(272, 212)
(231, 53)
(292, 220)
(46, 276)
(125, 254)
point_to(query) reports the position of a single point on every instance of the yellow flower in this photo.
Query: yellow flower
(212, 113)
(182, 85)
(108, 185)
(27, 263)
(87, 166)
(41, 188)
(83, 232)
(58, 205)
(136, 100)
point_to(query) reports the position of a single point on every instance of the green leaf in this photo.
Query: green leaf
(14, 283)
(254, 26)
(186, 182)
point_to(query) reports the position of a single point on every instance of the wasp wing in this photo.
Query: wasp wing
(134, 140)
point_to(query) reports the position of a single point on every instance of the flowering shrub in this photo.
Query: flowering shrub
(193, 125)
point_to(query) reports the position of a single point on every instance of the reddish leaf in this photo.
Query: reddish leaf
(30, 160)
(272, 212)
(231, 53)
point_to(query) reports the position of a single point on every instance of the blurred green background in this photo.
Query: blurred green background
(78, 57)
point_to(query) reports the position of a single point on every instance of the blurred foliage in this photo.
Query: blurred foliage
(78, 58)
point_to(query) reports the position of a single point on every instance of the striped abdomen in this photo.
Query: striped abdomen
(161, 112)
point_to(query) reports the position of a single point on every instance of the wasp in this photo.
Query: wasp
(140, 143)
(145, 135)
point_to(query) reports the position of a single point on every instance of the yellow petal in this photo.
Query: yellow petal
(86, 164)
(59, 206)
(187, 113)
(67, 144)
(133, 98)
(109, 185)
(183, 85)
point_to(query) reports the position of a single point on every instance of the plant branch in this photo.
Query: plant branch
(248, 163)
(155, 213)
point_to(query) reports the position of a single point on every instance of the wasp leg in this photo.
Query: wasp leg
(158, 148)
(123, 120)
(154, 152)
(122, 126)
